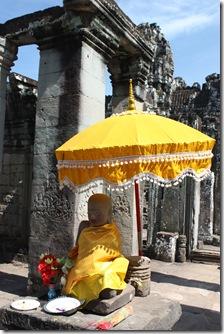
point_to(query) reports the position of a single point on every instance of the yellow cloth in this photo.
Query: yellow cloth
(147, 135)
(98, 265)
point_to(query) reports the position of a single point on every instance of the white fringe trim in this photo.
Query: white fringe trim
(139, 178)
(117, 161)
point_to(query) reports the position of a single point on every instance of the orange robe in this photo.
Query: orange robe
(99, 263)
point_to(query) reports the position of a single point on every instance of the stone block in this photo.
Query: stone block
(107, 306)
(165, 246)
(142, 286)
(138, 261)
(216, 240)
(151, 313)
(181, 248)
(139, 274)
(200, 244)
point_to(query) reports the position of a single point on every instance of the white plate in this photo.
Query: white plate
(62, 305)
(25, 304)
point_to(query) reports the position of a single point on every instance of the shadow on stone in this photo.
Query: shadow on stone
(198, 319)
(164, 278)
(12, 283)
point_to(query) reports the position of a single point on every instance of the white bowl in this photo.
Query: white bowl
(63, 305)
(25, 304)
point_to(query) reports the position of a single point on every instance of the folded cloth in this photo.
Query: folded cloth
(99, 263)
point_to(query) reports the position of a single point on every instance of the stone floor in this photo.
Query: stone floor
(195, 285)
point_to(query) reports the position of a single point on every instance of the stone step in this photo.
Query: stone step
(205, 255)
(152, 312)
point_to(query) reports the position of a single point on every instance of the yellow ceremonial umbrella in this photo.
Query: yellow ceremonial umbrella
(124, 145)
(134, 143)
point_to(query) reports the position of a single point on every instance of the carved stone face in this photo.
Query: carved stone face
(99, 212)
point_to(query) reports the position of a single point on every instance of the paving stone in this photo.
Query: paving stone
(195, 286)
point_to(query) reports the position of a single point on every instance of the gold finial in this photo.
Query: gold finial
(131, 100)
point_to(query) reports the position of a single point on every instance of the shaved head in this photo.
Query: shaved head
(99, 209)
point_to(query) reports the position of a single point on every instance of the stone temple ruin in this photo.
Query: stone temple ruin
(77, 43)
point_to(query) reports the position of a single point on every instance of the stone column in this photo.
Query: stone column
(124, 212)
(8, 51)
(172, 212)
(122, 69)
(205, 232)
(196, 213)
(154, 213)
(70, 98)
(192, 211)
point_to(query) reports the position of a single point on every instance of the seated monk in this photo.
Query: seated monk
(99, 267)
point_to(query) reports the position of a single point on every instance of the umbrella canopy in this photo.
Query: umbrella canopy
(132, 143)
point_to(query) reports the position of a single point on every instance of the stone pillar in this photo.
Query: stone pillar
(151, 191)
(217, 203)
(8, 51)
(196, 213)
(181, 248)
(205, 231)
(124, 213)
(192, 211)
(121, 71)
(172, 212)
(70, 98)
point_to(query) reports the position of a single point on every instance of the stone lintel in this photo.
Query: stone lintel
(111, 26)
(58, 41)
(19, 29)
(130, 38)
(108, 51)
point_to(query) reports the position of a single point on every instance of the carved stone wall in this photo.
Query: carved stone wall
(200, 108)
(16, 176)
(160, 77)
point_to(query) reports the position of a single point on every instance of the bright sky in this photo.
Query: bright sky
(192, 27)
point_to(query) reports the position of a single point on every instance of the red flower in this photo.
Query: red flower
(49, 268)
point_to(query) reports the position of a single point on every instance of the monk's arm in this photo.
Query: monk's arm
(73, 252)
(82, 225)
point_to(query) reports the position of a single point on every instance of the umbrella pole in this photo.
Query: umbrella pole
(138, 217)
